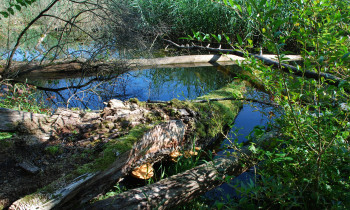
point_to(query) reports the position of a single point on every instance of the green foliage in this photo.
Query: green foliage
(53, 150)
(15, 5)
(21, 97)
(308, 168)
(215, 21)
(181, 17)
(5, 135)
(5, 140)
(116, 191)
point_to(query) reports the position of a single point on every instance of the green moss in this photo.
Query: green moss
(113, 149)
(216, 115)
(53, 150)
(5, 140)
(153, 117)
(136, 101)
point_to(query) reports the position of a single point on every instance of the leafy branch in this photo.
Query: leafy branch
(18, 5)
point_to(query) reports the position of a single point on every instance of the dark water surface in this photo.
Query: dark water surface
(149, 84)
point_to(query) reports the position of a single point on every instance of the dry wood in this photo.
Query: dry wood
(66, 66)
(285, 67)
(155, 144)
(185, 186)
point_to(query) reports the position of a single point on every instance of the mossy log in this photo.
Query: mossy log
(185, 186)
(179, 188)
(136, 133)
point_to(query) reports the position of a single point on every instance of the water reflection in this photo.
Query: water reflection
(150, 84)
(249, 117)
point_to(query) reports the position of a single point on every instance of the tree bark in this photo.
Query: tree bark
(177, 189)
(175, 132)
(185, 186)
(332, 79)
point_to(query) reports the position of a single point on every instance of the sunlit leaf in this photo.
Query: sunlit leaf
(239, 39)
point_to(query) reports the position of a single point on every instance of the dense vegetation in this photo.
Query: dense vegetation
(309, 166)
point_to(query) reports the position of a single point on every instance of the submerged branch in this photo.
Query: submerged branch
(221, 99)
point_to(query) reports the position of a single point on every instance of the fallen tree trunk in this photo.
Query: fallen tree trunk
(160, 130)
(268, 61)
(177, 189)
(185, 186)
(68, 66)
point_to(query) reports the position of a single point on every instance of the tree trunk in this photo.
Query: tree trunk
(268, 60)
(185, 186)
(172, 126)
(177, 189)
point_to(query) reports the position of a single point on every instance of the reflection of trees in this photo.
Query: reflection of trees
(84, 92)
(154, 84)
(197, 81)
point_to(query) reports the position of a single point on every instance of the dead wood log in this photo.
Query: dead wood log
(185, 186)
(67, 66)
(176, 132)
(160, 140)
(10, 118)
(332, 79)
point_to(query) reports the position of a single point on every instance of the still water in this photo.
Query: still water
(149, 84)
(163, 84)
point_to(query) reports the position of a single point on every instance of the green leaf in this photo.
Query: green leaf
(5, 14)
(345, 56)
(249, 8)
(21, 3)
(232, 3)
(261, 4)
(239, 39)
(29, 2)
(227, 38)
(11, 11)
(239, 7)
(252, 148)
(18, 7)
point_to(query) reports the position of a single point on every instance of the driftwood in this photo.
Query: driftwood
(185, 186)
(268, 61)
(173, 133)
